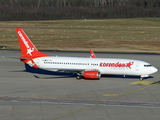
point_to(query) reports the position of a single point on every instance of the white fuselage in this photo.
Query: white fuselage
(103, 65)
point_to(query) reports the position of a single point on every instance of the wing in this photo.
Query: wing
(70, 70)
(65, 70)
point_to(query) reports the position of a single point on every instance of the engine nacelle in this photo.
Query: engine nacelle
(92, 74)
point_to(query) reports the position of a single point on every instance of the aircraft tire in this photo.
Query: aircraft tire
(141, 78)
(78, 77)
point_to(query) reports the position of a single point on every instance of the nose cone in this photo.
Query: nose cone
(154, 70)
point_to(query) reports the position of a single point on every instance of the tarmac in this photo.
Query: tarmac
(28, 95)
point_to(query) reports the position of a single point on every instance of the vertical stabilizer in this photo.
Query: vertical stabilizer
(92, 55)
(28, 49)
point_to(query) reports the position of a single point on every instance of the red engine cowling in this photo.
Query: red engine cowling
(92, 74)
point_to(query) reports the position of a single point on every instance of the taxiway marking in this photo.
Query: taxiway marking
(110, 95)
(144, 82)
(104, 101)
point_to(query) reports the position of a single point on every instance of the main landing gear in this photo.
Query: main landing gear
(79, 76)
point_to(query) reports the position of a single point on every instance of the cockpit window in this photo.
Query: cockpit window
(147, 65)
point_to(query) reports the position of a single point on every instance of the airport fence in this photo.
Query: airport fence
(95, 34)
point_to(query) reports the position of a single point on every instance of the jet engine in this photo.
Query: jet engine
(91, 74)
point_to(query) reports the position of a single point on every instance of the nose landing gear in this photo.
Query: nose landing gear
(141, 78)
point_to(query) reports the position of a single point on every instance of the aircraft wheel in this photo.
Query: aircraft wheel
(141, 79)
(78, 77)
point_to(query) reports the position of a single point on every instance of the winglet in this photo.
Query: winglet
(92, 55)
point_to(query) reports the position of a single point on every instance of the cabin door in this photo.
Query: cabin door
(137, 67)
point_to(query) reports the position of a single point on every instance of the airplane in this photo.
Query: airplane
(87, 68)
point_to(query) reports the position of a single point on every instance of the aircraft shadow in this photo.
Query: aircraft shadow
(126, 77)
(45, 72)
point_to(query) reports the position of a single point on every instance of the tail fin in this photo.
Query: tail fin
(28, 50)
(92, 55)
